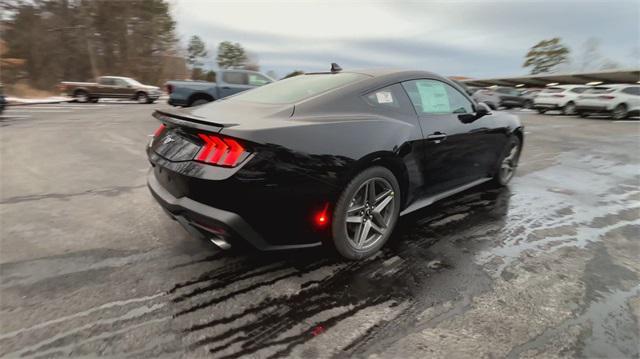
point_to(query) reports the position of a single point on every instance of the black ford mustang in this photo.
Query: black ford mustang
(329, 158)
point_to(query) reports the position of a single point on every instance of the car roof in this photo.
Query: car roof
(567, 86)
(615, 86)
(114, 77)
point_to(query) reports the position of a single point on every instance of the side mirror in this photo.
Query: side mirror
(482, 109)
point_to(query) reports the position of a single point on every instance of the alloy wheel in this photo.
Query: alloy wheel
(570, 109)
(509, 164)
(142, 98)
(369, 213)
(82, 97)
(619, 113)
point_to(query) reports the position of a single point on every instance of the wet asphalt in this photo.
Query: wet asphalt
(90, 265)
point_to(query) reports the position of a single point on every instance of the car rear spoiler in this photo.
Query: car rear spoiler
(188, 121)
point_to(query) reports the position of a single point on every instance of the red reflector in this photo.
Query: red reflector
(159, 130)
(607, 97)
(169, 89)
(558, 95)
(217, 149)
(322, 218)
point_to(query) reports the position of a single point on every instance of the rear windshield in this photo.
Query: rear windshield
(599, 90)
(553, 90)
(298, 88)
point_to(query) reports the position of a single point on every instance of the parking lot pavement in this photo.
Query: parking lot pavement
(90, 265)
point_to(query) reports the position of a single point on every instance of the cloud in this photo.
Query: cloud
(473, 38)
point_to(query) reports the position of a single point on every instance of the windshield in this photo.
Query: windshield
(298, 88)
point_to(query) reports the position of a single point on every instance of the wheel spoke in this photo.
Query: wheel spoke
(371, 192)
(353, 209)
(362, 238)
(382, 196)
(383, 204)
(354, 219)
(376, 228)
(377, 216)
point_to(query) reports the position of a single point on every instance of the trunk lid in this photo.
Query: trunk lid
(182, 139)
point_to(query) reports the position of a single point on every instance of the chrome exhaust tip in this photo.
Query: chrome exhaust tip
(220, 242)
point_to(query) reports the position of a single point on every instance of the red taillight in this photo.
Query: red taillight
(159, 130)
(558, 95)
(605, 97)
(221, 151)
(169, 88)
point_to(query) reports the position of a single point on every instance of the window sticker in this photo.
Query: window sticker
(384, 97)
(433, 96)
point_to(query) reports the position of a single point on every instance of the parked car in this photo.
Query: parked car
(511, 97)
(618, 101)
(530, 93)
(3, 100)
(338, 170)
(228, 82)
(560, 97)
(488, 96)
(110, 87)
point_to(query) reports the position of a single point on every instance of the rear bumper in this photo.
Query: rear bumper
(207, 222)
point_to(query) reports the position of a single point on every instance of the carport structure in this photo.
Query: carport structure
(579, 78)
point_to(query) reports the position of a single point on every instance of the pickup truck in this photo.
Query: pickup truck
(228, 82)
(110, 87)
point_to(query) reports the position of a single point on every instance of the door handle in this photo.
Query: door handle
(437, 137)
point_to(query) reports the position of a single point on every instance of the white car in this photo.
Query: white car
(561, 97)
(619, 101)
(488, 96)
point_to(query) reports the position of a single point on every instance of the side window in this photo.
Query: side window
(120, 83)
(579, 89)
(258, 80)
(235, 78)
(105, 81)
(436, 97)
(632, 91)
(391, 99)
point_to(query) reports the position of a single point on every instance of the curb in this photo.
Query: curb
(11, 104)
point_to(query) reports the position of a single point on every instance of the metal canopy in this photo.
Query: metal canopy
(581, 78)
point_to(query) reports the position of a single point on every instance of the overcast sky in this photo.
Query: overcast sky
(468, 38)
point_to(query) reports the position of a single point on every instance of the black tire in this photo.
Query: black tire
(620, 112)
(142, 97)
(499, 177)
(492, 106)
(583, 114)
(528, 104)
(94, 99)
(569, 109)
(150, 101)
(198, 102)
(541, 111)
(339, 230)
(81, 96)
